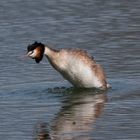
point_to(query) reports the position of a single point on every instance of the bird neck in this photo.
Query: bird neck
(50, 53)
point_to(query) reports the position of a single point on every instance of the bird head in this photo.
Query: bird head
(36, 51)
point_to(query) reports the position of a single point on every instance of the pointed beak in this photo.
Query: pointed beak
(29, 53)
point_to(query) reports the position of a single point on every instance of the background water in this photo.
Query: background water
(37, 103)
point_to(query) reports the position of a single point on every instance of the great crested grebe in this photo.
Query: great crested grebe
(75, 65)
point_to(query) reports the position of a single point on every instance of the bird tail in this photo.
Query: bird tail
(108, 86)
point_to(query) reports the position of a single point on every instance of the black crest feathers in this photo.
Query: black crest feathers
(34, 46)
(40, 50)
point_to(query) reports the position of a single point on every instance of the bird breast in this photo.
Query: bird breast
(79, 73)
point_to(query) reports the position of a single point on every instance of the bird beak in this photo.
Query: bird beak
(29, 53)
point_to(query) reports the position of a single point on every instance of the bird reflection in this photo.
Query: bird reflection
(42, 132)
(75, 120)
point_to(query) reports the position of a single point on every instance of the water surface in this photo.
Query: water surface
(37, 103)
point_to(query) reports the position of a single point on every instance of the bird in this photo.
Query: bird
(75, 65)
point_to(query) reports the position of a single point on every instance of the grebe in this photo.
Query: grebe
(75, 65)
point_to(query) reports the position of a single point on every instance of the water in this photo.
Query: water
(37, 103)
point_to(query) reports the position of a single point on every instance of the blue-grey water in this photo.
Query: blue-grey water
(36, 103)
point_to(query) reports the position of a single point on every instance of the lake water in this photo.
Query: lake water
(36, 103)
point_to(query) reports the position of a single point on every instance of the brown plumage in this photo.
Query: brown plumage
(75, 65)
